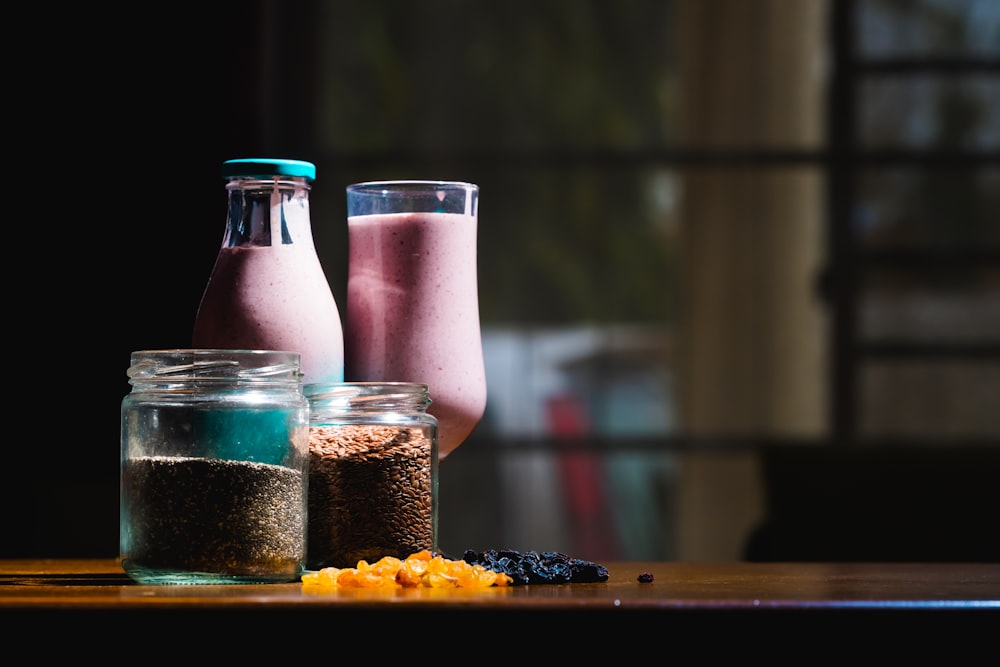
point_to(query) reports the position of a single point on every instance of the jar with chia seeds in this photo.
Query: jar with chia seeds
(214, 467)
(373, 462)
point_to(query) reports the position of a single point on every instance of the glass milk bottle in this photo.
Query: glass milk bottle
(268, 290)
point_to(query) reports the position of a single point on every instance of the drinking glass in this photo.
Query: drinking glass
(412, 311)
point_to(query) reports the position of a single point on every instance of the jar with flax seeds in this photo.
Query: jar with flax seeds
(214, 467)
(373, 458)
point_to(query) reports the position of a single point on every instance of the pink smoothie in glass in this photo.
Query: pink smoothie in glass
(273, 298)
(413, 312)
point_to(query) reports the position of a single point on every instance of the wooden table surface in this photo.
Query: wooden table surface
(766, 597)
(101, 584)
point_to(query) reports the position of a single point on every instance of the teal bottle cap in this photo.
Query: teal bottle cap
(264, 167)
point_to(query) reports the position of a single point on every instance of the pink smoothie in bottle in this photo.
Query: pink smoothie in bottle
(268, 290)
(413, 312)
(274, 298)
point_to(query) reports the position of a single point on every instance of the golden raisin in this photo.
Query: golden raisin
(420, 569)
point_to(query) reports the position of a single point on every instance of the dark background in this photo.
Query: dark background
(119, 123)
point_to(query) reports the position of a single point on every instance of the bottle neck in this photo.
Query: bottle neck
(267, 212)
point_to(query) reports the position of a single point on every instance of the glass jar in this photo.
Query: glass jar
(268, 290)
(373, 463)
(214, 467)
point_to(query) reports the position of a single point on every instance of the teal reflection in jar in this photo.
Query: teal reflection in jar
(214, 467)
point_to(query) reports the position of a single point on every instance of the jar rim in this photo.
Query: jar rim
(214, 364)
(318, 390)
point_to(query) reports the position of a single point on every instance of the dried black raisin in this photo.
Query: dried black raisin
(534, 567)
(645, 577)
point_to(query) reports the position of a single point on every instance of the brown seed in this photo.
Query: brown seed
(370, 494)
